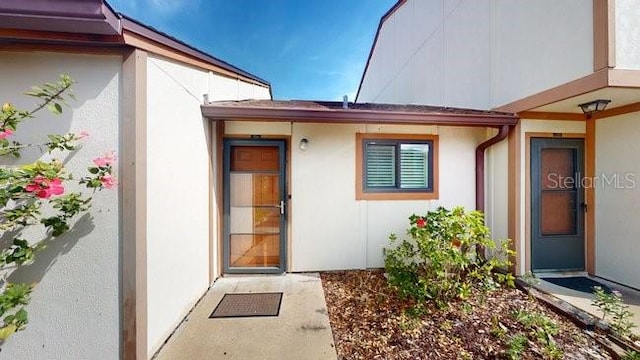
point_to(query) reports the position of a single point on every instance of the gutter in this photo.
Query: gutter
(354, 116)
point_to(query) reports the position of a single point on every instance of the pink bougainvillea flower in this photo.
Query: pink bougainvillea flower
(6, 133)
(108, 181)
(55, 187)
(106, 160)
(44, 188)
(82, 135)
(421, 223)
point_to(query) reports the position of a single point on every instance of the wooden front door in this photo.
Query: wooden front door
(557, 199)
(254, 216)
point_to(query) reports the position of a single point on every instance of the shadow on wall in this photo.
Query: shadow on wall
(55, 248)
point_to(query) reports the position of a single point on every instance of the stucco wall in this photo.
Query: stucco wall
(479, 54)
(178, 190)
(74, 311)
(627, 39)
(496, 189)
(617, 206)
(329, 229)
(537, 45)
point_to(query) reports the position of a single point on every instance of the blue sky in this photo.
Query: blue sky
(307, 49)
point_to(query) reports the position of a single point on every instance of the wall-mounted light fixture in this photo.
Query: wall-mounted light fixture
(304, 144)
(594, 106)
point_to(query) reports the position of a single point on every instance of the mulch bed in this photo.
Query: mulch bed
(369, 321)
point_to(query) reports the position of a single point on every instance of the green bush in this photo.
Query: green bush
(614, 310)
(438, 260)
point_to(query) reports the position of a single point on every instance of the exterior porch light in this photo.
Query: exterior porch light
(304, 144)
(591, 107)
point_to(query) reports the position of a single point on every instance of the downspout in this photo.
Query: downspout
(501, 135)
(480, 150)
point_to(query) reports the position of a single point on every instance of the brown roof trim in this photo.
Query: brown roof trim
(71, 16)
(160, 37)
(355, 116)
(94, 23)
(595, 81)
(384, 18)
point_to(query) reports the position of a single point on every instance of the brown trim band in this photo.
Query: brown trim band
(621, 110)
(590, 197)
(595, 81)
(143, 35)
(59, 37)
(544, 115)
(598, 80)
(604, 55)
(141, 42)
(352, 116)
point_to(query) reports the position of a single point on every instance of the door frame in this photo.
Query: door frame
(226, 175)
(528, 189)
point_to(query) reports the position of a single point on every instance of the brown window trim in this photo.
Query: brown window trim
(361, 195)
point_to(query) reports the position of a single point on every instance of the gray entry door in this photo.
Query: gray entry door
(254, 206)
(557, 199)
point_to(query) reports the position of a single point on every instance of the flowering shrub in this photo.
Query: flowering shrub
(438, 262)
(37, 195)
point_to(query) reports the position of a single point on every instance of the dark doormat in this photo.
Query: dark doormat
(248, 305)
(578, 283)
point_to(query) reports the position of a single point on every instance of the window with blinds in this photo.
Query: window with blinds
(396, 165)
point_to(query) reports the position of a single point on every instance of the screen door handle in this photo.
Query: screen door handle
(281, 207)
(583, 205)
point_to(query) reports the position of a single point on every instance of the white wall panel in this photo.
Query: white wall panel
(75, 308)
(617, 206)
(494, 52)
(627, 40)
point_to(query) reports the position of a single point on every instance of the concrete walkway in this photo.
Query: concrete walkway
(301, 331)
(583, 300)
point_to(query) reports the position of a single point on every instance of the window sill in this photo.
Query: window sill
(396, 195)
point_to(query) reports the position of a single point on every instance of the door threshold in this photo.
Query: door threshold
(560, 274)
(254, 275)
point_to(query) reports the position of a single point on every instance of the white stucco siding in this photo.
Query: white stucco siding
(467, 55)
(225, 88)
(538, 45)
(479, 54)
(496, 189)
(329, 228)
(326, 229)
(456, 178)
(617, 206)
(178, 188)
(627, 38)
(177, 195)
(74, 312)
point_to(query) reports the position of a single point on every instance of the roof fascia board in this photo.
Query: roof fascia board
(134, 27)
(141, 42)
(592, 82)
(69, 16)
(355, 116)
